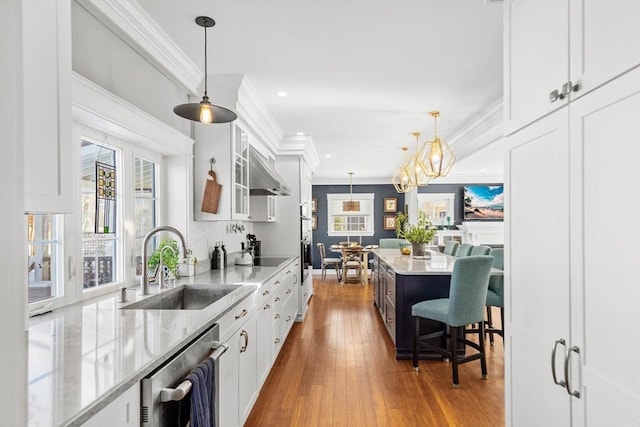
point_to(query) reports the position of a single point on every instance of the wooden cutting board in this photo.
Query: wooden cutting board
(211, 194)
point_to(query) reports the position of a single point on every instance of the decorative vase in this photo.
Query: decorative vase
(419, 250)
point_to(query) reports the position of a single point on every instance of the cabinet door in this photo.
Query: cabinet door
(605, 132)
(264, 358)
(537, 271)
(247, 367)
(46, 78)
(240, 195)
(605, 40)
(123, 411)
(536, 58)
(228, 383)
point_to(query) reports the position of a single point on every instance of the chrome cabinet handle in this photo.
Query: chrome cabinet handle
(244, 334)
(277, 299)
(277, 341)
(265, 293)
(288, 318)
(267, 307)
(562, 342)
(567, 362)
(288, 291)
(277, 316)
(244, 313)
(569, 87)
(554, 95)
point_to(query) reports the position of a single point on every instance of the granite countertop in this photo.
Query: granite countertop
(83, 356)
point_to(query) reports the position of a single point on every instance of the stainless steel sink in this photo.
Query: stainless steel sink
(185, 297)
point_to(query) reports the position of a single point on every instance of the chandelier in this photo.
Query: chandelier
(437, 154)
(351, 205)
(402, 178)
(419, 171)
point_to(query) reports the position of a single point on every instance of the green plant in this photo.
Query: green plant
(422, 232)
(170, 258)
(401, 222)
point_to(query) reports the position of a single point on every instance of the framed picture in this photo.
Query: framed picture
(314, 222)
(390, 205)
(389, 222)
(314, 204)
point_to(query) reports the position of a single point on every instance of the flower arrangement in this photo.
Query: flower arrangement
(422, 232)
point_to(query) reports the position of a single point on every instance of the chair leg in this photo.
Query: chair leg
(416, 334)
(453, 343)
(490, 324)
(337, 271)
(483, 359)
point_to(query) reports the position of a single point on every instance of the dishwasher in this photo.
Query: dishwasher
(164, 391)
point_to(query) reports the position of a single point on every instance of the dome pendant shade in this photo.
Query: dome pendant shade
(204, 111)
(351, 205)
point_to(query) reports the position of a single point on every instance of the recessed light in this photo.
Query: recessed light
(281, 94)
(483, 170)
(300, 133)
(327, 155)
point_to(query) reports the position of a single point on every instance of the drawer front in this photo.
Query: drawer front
(390, 292)
(390, 318)
(270, 286)
(237, 315)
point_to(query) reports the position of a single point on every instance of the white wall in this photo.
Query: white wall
(13, 339)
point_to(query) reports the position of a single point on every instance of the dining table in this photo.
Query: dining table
(352, 251)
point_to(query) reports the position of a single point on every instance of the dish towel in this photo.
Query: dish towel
(202, 395)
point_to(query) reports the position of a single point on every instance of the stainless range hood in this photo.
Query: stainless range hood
(263, 181)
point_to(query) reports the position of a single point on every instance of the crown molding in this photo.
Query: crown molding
(129, 21)
(301, 146)
(96, 107)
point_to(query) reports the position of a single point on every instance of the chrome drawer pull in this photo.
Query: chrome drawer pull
(553, 362)
(244, 313)
(265, 293)
(567, 362)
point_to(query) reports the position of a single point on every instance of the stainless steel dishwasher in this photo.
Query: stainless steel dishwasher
(164, 390)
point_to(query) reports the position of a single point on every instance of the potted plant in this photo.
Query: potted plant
(170, 256)
(419, 234)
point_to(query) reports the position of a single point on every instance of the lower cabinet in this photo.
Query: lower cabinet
(123, 411)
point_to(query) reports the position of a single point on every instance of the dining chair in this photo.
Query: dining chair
(465, 305)
(326, 262)
(495, 295)
(451, 247)
(464, 250)
(481, 250)
(392, 243)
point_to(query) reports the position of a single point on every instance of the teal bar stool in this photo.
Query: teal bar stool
(392, 243)
(481, 250)
(464, 250)
(465, 305)
(451, 247)
(495, 295)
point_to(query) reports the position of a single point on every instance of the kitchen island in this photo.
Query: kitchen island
(401, 281)
(84, 356)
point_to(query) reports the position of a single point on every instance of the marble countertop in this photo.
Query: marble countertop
(83, 356)
(438, 263)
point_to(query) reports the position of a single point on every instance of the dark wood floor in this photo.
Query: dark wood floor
(337, 368)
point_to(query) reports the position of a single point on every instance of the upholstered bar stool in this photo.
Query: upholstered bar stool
(451, 247)
(326, 262)
(495, 295)
(481, 250)
(392, 243)
(465, 305)
(464, 250)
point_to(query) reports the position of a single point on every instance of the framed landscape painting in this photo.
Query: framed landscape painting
(484, 202)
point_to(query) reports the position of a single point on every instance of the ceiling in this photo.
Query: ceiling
(360, 76)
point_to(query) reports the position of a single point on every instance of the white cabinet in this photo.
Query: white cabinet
(263, 208)
(558, 50)
(570, 283)
(228, 144)
(46, 86)
(123, 411)
(266, 313)
(247, 367)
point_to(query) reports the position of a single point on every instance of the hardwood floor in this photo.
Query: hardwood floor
(338, 368)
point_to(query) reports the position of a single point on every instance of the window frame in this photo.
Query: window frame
(362, 197)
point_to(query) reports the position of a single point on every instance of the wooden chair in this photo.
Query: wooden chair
(326, 262)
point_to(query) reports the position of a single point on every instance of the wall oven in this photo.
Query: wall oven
(306, 253)
(165, 392)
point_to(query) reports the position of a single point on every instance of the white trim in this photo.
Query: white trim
(365, 197)
(99, 109)
(129, 21)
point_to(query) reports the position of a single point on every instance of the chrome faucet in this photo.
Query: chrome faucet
(145, 256)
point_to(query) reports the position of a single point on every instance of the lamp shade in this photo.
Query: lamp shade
(437, 155)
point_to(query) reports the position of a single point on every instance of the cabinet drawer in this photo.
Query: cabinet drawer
(237, 315)
(390, 318)
(267, 289)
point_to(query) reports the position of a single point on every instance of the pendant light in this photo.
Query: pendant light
(402, 178)
(419, 172)
(351, 205)
(204, 111)
(437, 154)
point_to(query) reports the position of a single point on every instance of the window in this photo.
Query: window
(438, 207)
(99, 250)
(145, 195)
(44, 255)
(350, 223)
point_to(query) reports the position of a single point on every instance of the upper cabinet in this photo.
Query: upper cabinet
(558, 50)
(46, 81)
